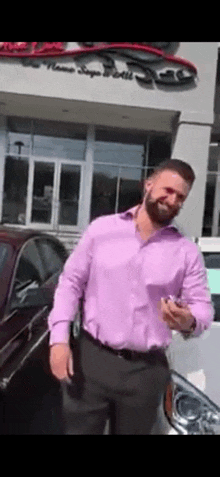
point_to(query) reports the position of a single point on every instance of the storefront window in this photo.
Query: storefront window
(130, 192)
(15, 190)
(45, 165)
(159, 149)
(122, 161)
(42, 192)
(59, 140)
(41, 181)
(19, 136)
(69, 194)
(104, 190)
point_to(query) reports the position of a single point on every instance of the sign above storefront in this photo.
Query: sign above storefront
(139, 57)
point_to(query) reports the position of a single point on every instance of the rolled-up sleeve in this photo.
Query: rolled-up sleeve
(195, 291)
(70, 289)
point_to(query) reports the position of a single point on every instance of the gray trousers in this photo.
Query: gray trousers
(106, 386)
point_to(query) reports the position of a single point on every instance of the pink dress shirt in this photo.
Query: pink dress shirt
(124, 278)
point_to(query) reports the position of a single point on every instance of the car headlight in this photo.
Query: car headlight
(189, 410)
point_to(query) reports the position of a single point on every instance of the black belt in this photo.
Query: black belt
(126, 353)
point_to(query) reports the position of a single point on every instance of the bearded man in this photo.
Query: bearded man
(127, 265)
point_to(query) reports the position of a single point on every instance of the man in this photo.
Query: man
(127, 265)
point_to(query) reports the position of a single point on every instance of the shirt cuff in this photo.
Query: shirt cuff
(60, 333)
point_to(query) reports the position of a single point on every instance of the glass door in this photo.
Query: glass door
(68, 194)
(42, 193)
(55, 192)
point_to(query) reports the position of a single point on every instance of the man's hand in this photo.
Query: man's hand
(177, 317)
(61, 361)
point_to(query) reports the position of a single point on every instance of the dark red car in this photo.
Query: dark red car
(30, 264)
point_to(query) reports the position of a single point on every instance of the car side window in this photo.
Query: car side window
(29, 273)
(212, 260)
(53, 256)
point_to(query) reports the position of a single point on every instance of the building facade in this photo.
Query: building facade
(83, 124)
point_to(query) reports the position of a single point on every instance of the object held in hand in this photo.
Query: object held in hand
(175, 300)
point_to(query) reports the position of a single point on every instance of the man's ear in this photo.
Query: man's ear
(148, 185)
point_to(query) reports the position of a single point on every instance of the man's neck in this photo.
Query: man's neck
(143, 222)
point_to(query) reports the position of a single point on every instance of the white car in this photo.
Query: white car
(191, 405)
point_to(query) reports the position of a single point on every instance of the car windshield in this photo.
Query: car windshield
(3, 255)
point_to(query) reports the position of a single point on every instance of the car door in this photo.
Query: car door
(24, 325)
(54, 256)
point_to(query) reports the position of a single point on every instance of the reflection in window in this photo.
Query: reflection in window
(130, 191)
(19, 136)
(43, 192)
(120, 147)
(4, 249)
(15, 190)
(46, 138)
(131, 154)
(64, 141)
(116, 187)
(69, 194)
(29, 274)
(31, 255)
(212, 260)
(103, 190)
(52, 257)
(159, 150)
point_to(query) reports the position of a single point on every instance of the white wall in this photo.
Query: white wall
(47, 83)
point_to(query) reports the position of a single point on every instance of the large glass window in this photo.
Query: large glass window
(104, 190)
(159, 149)
(15, 190)
(69, 194)
(19, 136)
(122, 161)
(130, 192)
(42, 192)
(41, 186)
(44, 169)
(59, 140)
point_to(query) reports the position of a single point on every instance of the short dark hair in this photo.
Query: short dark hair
(181, 167)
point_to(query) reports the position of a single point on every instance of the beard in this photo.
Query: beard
(159, 214)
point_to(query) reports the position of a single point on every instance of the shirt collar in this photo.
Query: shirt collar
(131, 213)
